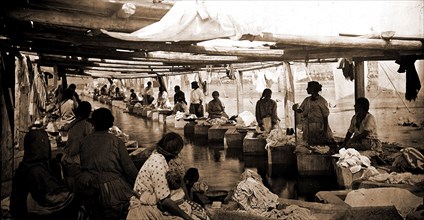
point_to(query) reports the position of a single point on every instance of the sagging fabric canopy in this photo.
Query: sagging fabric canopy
(200, 21)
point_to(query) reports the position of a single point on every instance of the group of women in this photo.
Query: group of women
(94, 177)
(314, 112)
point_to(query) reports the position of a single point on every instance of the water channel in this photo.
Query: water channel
(218, 166)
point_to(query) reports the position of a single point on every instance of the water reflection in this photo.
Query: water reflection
(219, 166)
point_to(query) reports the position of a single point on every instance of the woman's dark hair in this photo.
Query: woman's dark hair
(68, 94)
(72, 86)
(102, 119)
(170, 145)
(314, 85)
(266, 92)
(363, 102)
(194, 85)
(215, 93)
(84, 109)
(192, 175)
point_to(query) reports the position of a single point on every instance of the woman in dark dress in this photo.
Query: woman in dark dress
(107, 170)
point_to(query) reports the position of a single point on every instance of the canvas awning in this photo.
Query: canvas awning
(195, 21)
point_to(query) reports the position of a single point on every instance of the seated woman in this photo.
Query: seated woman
(118, 94)
(38, 191)
(216, 108)
(107, 170)
(163, 100)
(180, 106)
(133, 97)
(363, 127)
(152, 184)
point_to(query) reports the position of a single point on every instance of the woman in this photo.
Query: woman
(180, 106)
(266, 112)
(67, 108)
(148, 94)
(152, 184)
(78, 130)
(363, 127)
(196, 100)
(163, 101)
(179, 95)
(315, 111)
(133, 97)
(216, 108)
(38, 191)
(106, 169)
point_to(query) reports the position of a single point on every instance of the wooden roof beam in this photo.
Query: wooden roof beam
(141, 70)
(77, 20)
(341, 42)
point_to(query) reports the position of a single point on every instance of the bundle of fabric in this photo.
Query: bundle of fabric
(218, 121)
(278, 138)
(138, 105)
(409, 158)
(118, 133)
(253, 197)
(179, 115)
(374, 175)
(352, 159)
(246, 119)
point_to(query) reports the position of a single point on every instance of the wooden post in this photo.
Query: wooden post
(7, 127)
(359, 79)
(239, 92)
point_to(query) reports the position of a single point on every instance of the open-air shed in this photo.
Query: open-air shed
(134, 39)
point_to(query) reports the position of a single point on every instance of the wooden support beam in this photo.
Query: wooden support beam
(261, 67)
(340, 41)
(359, 79)
(374, 36)
(239, 80)
(115, 75)
(139, 70)
(79, 20)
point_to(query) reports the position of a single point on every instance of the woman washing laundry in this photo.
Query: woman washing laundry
(216, 108)
(266, 112)
(363, 127)
(157, 182)
(315, 112)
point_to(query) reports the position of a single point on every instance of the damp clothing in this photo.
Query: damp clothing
(314, 110)
(105, 159)
(371, 141)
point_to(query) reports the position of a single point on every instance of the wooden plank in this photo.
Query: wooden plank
(78, 20)
(340, 41)
(359, 79)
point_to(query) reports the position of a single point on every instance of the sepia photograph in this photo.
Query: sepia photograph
(212, 109)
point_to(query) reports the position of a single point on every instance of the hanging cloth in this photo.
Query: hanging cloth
(413, 85)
